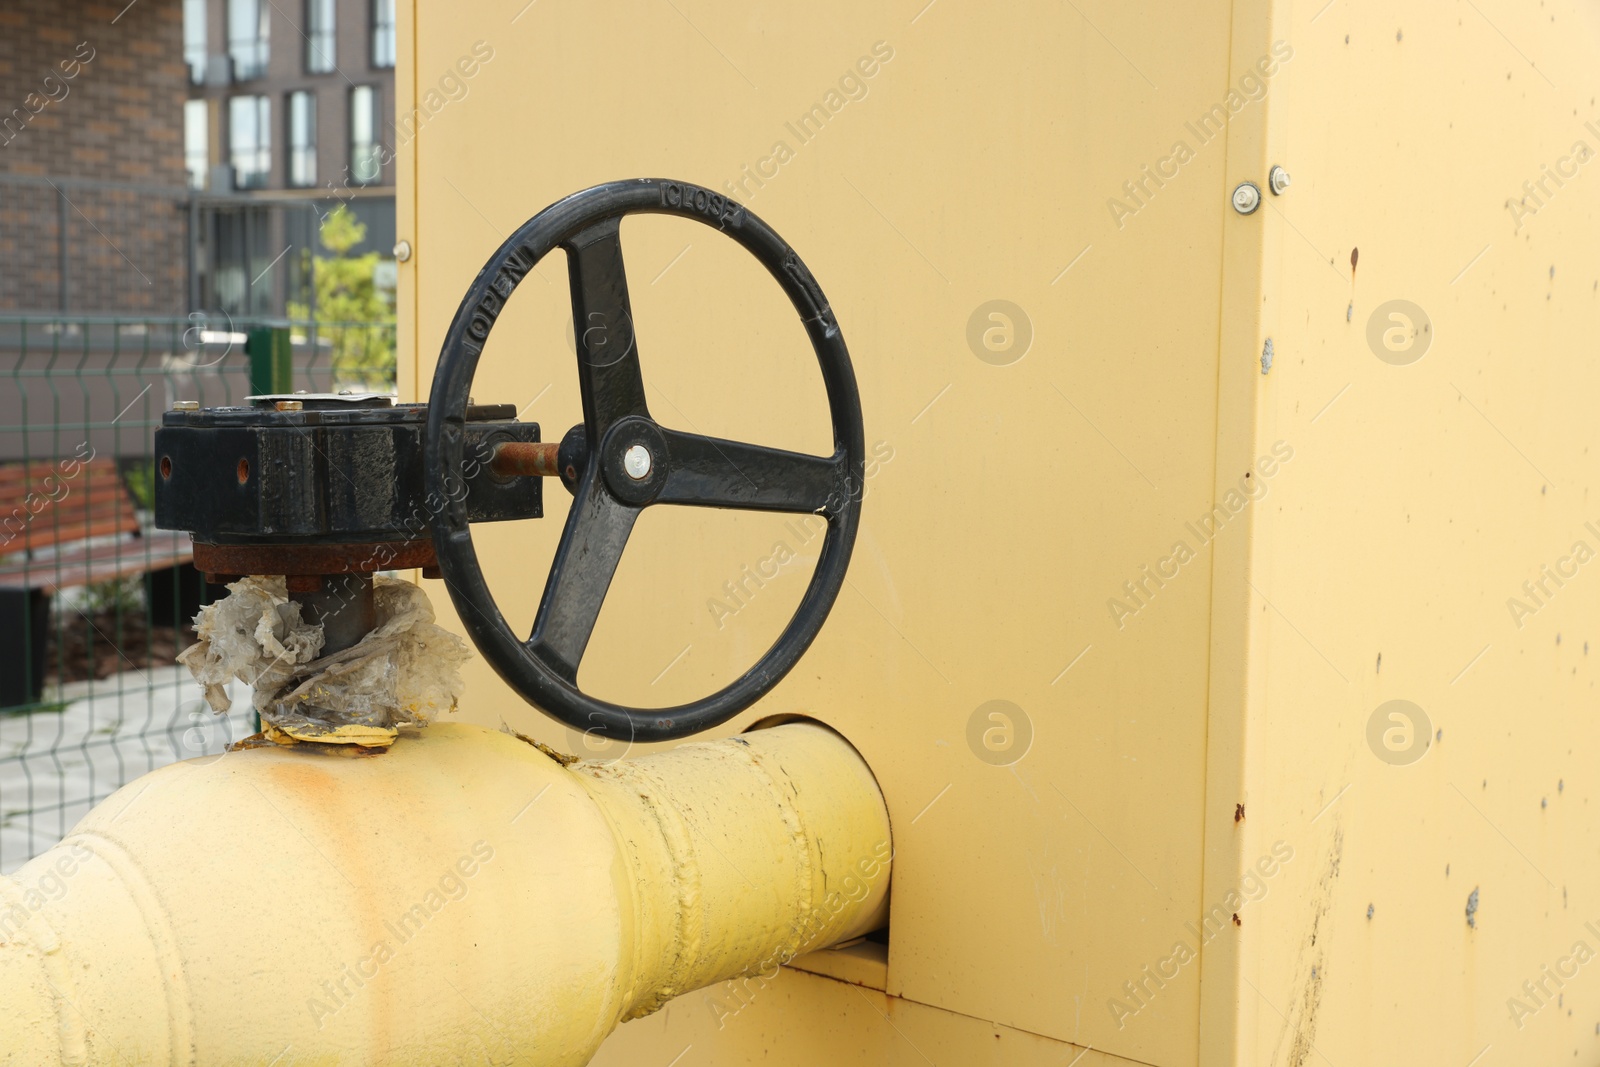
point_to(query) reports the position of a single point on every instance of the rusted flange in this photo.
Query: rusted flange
(302, 562)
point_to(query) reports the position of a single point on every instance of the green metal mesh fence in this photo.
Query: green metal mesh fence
(95, 602)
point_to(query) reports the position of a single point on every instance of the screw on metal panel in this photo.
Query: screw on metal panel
(1246, 198)
(1277, 180)
(636, 461)
(402, 250)
(186, 405)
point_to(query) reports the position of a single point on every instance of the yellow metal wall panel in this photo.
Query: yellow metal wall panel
(1199, 747)
(955, 180)
(1422, 495)
(1249, 468)
(754, 1022)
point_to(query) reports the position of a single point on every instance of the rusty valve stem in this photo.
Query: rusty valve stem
(522, 459)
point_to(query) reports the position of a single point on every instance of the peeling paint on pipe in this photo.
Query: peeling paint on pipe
(461, 895)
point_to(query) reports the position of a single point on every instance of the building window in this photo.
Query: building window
(197, 141)
(319, 36)
(383, 33)
(302, 139)
(247, 38)
(250, 140)
(365, 164)
(194, 39)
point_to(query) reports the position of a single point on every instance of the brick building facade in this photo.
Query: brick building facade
(163, 157)
(289, 105)
(93, 209)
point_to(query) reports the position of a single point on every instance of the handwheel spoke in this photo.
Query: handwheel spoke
(591, 545)
(710, 472)
(602, 320)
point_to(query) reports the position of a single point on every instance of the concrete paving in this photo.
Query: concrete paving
(56, 765)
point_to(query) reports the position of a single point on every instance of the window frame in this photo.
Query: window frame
(249, 56)
(192, 107)
(300, 160)
(382, 40)
(322, 42)
(261, 149)
(196, 45)
(374, 144)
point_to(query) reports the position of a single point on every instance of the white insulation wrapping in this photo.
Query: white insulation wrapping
(404, 673)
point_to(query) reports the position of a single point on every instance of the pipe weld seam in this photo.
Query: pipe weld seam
(38, 934)
(163, 941)
(678, 836)
(807, 896)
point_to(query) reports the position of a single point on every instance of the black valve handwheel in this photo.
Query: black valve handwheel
(627, 462)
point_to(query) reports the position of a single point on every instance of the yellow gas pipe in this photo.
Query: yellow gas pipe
(463, 895)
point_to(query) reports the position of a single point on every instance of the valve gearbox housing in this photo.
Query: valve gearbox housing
(326, 470)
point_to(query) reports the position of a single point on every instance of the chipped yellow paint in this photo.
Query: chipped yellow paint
(349, 733)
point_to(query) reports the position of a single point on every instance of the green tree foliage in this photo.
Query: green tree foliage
(353, 316)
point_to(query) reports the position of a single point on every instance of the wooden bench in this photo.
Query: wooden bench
(63, 524)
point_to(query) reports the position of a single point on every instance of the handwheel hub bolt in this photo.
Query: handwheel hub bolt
(637, 462)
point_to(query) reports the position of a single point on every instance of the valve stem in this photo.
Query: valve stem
(343, 604)
(525, 459)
